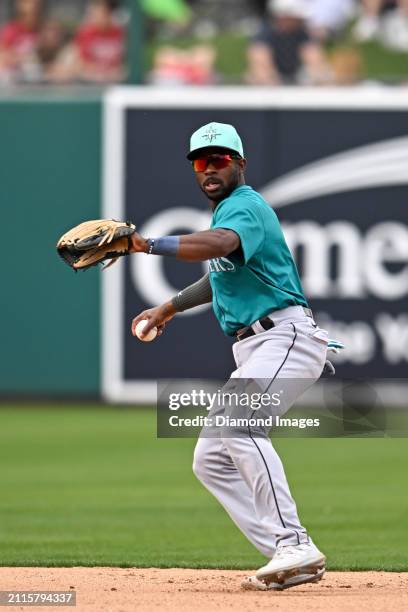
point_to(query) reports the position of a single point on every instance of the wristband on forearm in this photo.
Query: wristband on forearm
(168, 245)
(194, 295)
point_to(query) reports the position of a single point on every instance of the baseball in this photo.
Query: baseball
(150, 336)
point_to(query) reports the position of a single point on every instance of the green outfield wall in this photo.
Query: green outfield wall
(50, 168)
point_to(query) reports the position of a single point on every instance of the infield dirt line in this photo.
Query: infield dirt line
(100, 589)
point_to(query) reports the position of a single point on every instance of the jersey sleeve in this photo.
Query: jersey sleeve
(244, 219)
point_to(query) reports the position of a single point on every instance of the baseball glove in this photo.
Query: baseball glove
(94, 242)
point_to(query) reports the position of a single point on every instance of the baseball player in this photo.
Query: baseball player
(257, 298)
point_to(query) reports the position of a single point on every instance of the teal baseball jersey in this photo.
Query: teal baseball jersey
(259, 277)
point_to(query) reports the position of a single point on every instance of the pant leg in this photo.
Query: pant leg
(214, 467)
(286, 354)
(260, 467)
(244, 472)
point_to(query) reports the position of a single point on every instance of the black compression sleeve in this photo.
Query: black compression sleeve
(194, 295)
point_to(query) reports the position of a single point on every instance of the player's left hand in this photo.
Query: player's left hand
(94, 242)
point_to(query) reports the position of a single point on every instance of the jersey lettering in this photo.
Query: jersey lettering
(221, 264)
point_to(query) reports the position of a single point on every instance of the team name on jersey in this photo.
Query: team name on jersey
(221, 264)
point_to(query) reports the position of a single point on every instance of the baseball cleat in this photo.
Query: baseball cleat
(251, 583)
(290, 561)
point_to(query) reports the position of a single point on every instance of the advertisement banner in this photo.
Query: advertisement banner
(334, 169)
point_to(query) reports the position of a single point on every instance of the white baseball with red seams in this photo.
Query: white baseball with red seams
(151, 335)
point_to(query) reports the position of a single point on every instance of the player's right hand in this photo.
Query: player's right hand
(156, 317)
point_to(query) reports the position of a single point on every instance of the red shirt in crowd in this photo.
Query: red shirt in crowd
(15, 36)
(103, 48)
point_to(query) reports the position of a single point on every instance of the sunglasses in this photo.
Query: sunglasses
(218, 161)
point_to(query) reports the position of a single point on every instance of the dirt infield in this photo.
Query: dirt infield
(102, 589)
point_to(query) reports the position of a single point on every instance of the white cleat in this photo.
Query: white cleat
(289, 561)
(251, 583)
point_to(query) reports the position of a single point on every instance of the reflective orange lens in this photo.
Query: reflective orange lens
(218, 161)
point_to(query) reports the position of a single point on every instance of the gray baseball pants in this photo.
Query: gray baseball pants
(243, 470)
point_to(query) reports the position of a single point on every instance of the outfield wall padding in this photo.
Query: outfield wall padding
(50, 161)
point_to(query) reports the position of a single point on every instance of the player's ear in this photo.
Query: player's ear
(242, 164)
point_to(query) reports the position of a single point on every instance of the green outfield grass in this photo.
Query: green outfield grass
(90, 486)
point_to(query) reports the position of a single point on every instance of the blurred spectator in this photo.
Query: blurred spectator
(283, 52)
(327, 18)
(394, 29)
(260, 6)
(100, 45)
(368, 25)
(194, 66)
(18, 40)
(53, 54)
(385, 20)
(347, 66)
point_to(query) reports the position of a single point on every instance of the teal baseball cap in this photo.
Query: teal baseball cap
(215, 135)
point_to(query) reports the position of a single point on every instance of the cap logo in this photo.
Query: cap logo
(211, 134)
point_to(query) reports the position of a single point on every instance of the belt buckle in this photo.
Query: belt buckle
(267, 323)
